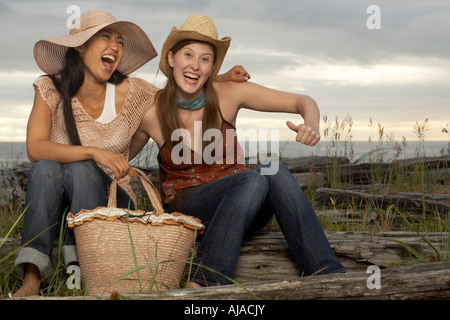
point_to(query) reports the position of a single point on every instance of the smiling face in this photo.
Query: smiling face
(192, 65)
(102, 54)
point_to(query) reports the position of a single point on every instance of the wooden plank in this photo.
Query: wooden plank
(401, 201)
(266, 257)
(10, 186)
(263, 256)
(347, 216)
(418, 282)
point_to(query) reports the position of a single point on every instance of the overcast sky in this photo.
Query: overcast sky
(397, 75)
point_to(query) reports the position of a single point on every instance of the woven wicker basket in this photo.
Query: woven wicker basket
(105, 237)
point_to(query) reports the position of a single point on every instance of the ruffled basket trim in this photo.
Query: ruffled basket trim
(152, 218)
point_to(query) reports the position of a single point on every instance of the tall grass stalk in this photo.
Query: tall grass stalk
(7, 267)
(23, 245)
(133, 253)
(438, 255)
(121, 277)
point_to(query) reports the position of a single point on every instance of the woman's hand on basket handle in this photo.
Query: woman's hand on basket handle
(114, 161)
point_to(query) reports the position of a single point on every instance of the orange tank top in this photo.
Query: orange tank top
(195, 170)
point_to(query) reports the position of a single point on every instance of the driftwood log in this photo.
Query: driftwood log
(420, 281)
(412, 282)
(361, 173)
(10, 186)
(415, 202)
(266, 257)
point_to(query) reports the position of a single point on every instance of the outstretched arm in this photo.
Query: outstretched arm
(233, 96)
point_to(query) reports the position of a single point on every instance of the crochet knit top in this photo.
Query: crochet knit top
(114, 136)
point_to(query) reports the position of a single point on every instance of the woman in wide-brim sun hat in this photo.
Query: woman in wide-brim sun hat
(85, 113)
(137, 50)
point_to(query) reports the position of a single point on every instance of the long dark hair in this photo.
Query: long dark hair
(168, 109)
(68, 82)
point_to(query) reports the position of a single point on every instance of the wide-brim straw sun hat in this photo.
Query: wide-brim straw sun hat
(137, 50)
(195, 27)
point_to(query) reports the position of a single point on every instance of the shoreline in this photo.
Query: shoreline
(14, 153)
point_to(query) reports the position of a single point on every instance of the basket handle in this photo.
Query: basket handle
(151, 190)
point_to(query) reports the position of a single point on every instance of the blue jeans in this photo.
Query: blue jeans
(55, 189)
(241, 205)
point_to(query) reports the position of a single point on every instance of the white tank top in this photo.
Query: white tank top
(109, 109)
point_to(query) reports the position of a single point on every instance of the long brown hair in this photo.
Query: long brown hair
(168, 109)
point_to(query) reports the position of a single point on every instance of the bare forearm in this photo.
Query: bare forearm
(39, 150)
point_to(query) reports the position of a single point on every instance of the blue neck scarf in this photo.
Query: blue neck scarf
(193, 104)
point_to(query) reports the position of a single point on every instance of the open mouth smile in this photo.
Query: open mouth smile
(190, 77)
(108, 61)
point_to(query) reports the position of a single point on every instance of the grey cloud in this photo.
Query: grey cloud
(333, 30)
(337, 29)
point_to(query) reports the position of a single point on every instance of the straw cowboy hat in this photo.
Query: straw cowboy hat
(138, 49)
(195, 27)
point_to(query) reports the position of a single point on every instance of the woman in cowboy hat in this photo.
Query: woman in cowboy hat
(85, 112)
(231, 200)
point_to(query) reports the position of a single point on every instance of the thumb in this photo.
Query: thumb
(292, 126)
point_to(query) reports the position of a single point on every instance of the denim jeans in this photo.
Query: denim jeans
(55, 189)
(240, 205)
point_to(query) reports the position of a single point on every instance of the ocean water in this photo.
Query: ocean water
(363, 151)
(13, 153)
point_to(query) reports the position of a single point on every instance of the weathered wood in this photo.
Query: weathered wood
(421, 281)
(10, 186)
(402, 201)
(346, 216)
(311, 179)
(313, 163)
(266, 257)
(428, 163)
(384, 249)
(266, 269)
(361, 173)
(8, 245)
(418, 282)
